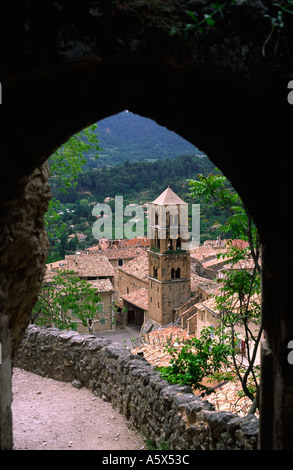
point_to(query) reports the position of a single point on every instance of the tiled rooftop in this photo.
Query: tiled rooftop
(210, 304)
(137, 267)
(209, 286)
(155, 342)
(241, 264)
(204, 252)
(226, 398)
(89, 265)
(226, 395)
(138, 241)
(214, 262)
(139, 298)
(102, 285)
(123, 253)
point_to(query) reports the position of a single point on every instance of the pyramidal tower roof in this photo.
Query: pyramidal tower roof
(168, 197)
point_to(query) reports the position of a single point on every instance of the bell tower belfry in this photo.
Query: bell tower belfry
(168, 259)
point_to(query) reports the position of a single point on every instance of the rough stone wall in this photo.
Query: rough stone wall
(160, 411)
(24, 248)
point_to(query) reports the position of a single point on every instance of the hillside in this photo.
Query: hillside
(139, 160)
(137, 182)
(129, 137)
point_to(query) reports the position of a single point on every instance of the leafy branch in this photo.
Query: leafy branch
(197, 359)
(65, 166)
(277, 21)
(208, 18)
(63, 296)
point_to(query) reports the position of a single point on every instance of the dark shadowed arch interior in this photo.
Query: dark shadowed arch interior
(230, 102)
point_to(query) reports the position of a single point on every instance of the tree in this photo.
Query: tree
(196, 360)
(63, 297)
(65, 165)
(239, 299)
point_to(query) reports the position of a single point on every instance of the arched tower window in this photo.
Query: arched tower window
(156, 218)
(174, 220)
(178, 273)
(172, 273)
(155, 272)
(168, 219)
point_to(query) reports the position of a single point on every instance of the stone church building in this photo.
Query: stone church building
(161, 279)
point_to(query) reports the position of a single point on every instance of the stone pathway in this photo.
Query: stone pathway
(52, 415)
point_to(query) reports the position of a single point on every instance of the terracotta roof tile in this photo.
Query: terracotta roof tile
(226, 395)
(209, 286)
(155, 342)
(137, 267)
(226, 398)
(139, 298)
(89, 265)
(102, 285)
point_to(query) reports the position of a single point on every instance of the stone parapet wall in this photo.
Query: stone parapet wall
(160, 411)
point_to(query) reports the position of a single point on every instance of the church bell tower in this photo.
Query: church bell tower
(168, 259)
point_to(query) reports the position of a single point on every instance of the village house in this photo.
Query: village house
(81, 236)
(133, 275)
(153, 282)
(210, 268)
(241, 265)
(90, 267)
(117, 255)
(98, 271)
(105, 317)
(167, 291)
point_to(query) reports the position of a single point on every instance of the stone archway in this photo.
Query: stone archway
(64, 67)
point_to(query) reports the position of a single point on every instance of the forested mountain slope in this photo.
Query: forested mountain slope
(129, 137)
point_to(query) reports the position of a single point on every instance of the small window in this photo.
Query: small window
(100, 307)
(120, 262)
(73, 313)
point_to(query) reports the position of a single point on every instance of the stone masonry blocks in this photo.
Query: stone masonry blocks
(159, 411)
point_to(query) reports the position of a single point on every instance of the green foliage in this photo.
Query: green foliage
(65, 166)
(130, 137)
(151, 445)
(239, 298)
(239, 224)
(282, 8)
(63, 296)
(67, 162)
(198, 359)
(208, 18)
